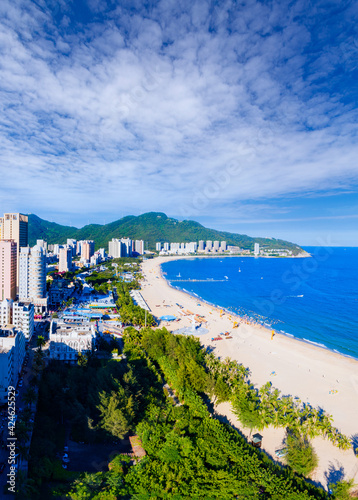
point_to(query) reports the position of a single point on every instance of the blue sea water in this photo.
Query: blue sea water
(314, 299)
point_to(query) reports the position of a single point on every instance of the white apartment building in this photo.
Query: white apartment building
(72, 244)
(68, 339)
(65, 259)
(139, 247)
(256, 249)
(127, 242)
(12, 354)
(115, 248)
(32, 282)
(18, 314)
(5, 312)
(23, 318)
(120, 248)
(158, 246)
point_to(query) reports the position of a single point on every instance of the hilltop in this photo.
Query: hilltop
(150, 227)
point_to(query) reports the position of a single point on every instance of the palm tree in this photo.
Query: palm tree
(40, 342)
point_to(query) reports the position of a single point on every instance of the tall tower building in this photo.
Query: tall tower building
(8, 271)
(65, 259)
(127, 246)
(32, 282)
(87, 249)
(15, 227)
(139, 246)
(115, 248)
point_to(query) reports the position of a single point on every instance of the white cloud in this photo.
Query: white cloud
(135, 112)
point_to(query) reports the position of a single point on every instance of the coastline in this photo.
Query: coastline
(318, 376)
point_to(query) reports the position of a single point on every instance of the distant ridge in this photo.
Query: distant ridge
(150, 227)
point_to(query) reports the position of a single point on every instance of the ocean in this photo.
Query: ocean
(314, 299)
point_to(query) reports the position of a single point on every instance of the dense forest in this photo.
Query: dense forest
(161, 388)
(150, 227)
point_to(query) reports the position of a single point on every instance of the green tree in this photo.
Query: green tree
(113, 415)
(301, 456)
(341, 490)
(40, 342)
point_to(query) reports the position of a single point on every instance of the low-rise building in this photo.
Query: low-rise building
(18, 314)
(68, 339)
(23, 318)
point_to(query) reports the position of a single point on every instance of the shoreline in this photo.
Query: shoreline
(269, 328)
(318, 376)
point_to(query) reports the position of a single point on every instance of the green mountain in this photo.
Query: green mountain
(150, 227)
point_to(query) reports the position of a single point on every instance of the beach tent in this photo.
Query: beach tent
(167, 318)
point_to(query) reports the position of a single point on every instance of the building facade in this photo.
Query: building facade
(87, 250)
(68, 339)
(23, 318)
(32, 283)
(65, 259)
(14, 226)
(8, 269)
(12, 354)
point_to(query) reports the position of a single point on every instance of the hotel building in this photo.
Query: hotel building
(14, 226)
(8, 269)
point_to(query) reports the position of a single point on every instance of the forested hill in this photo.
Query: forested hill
(150, 227)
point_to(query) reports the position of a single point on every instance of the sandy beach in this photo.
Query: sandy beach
(315, 375)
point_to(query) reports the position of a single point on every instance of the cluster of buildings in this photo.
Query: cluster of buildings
(192, 247)
(125, 247)
(23, 293)
(82, 250)
(22, 279)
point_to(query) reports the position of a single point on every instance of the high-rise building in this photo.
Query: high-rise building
(223, 246)
(256, 249)
(166, 246)
(216, 245)
(71, 243)
(12, 354)
(158, 246)
(209, 245)
(115, 248)
(41, 243)
(201, 246)
(65, 259)
(127, 246)
(32, 283)
(139, 247)
(87, 249)
(8, 269)
(14, 226)
(191, 247)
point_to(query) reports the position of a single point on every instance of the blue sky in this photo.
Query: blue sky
(240, 115)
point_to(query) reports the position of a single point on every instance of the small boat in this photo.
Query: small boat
(226, 277)
(179, 275)
(239, 270)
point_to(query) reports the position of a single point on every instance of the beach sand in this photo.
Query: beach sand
(300, 369)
